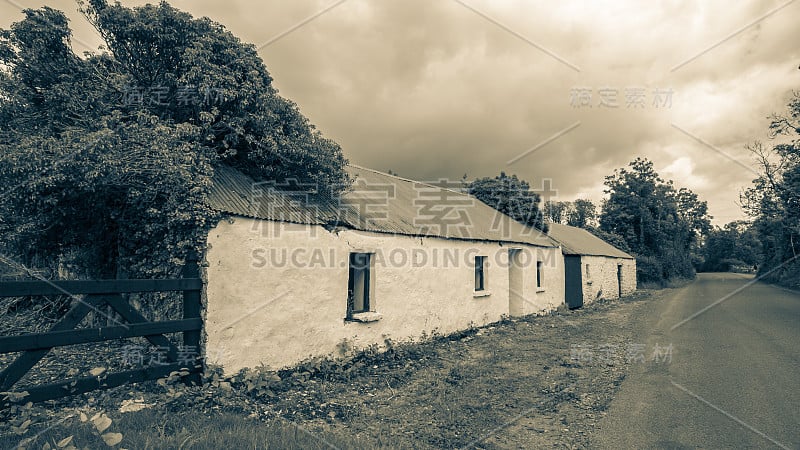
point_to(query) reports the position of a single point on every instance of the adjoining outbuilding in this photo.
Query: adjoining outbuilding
(291, 276)
(593, 268)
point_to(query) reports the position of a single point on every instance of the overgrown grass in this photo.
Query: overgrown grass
(487, 387)
(665, 284)
(157, 429)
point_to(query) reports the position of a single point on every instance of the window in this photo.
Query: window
(539, 274)
(480, 273)
(358, 284)
(588, 273)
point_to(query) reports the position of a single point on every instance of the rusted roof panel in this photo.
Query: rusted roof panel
(236, 193)
(376, 202)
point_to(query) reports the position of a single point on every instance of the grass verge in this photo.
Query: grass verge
(516, 383)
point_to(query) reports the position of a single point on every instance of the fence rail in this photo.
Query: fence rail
(90, 295)
(73, 287)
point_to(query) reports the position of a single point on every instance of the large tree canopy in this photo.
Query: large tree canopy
(511, 196)
(109, 155)
(662, 226)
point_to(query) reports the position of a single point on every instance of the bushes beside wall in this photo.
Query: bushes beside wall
(649, 270)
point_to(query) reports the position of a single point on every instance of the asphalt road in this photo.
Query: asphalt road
(731, 378)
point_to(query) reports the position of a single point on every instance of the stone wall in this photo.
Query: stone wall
(600, 281)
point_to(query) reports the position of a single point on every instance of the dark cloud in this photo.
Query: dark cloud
(433, 89)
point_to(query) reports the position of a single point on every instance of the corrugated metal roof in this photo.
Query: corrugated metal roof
(376, 202)
(577, 241)
(236, 193)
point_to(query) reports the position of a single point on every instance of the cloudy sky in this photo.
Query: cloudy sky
(567, 91)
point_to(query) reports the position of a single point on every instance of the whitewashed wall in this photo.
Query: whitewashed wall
(276, 293)
(602, 280)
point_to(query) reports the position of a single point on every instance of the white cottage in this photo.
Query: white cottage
(291, 277)
(593, 268)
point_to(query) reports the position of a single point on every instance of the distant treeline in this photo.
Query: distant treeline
(644, 215)
(668, 229)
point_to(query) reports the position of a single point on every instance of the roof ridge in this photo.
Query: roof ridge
(568, 242)
(409, 180)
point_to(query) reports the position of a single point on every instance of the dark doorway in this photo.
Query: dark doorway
(573, 291)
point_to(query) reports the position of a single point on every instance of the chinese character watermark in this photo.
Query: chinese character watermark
(366, 203)
(442, 206)
(609, 97)
(608, 353)
(141, 356)
(180, 95)
(289, 201)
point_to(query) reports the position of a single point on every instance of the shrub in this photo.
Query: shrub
(649, 270)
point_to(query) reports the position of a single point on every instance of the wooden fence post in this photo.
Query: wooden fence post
(192, 308)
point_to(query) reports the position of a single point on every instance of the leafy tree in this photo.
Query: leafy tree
(511, 196)
(661, 226)
(693, 212)
(556, 211)
(106, 159)
(735, 244)
(774, 198)
(612, 238)
(582, 214)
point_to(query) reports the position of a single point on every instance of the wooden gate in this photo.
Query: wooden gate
(98, 293)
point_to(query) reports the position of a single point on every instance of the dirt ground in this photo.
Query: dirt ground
(536, 382)
(532, 383)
